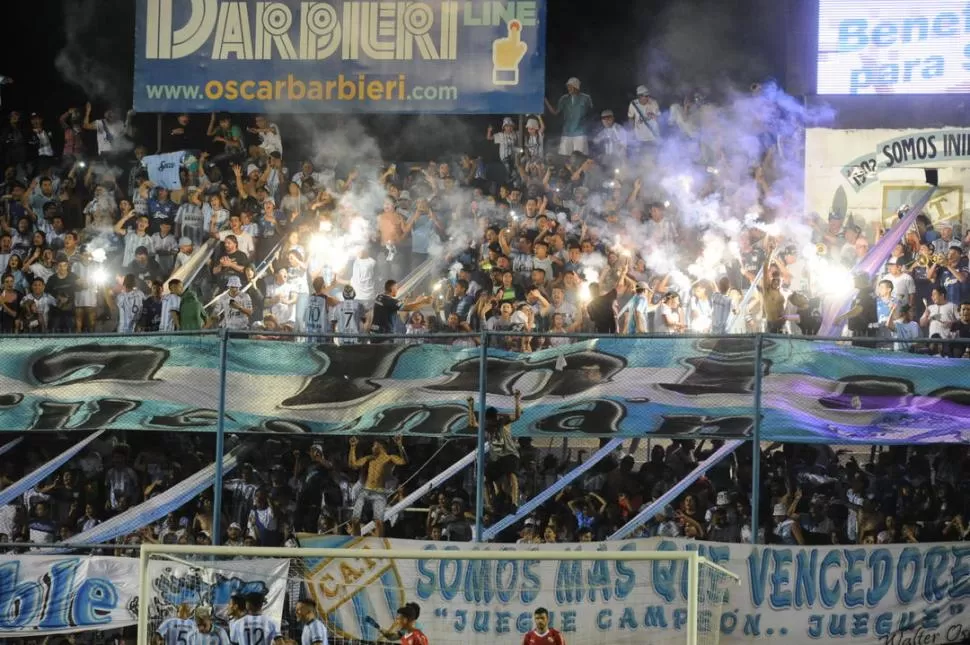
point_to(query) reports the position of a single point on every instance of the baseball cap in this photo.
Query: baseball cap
(507, 121)
(532, 123)
(780, 511)
(574, 82)
(251, 168)
(404, 195)
(185, 241)
(234, 281)
(606, 113)
(235, 525)
(642, 90)
(891, 262)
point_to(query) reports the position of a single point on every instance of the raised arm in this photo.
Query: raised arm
(518, 406)
(87, 125)
(400, 459)
(352, 458)
(211, 130)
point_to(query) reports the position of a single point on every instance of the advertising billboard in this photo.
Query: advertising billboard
(893, 47)
(292, 56)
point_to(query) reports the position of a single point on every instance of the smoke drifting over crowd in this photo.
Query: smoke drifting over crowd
(728, 165)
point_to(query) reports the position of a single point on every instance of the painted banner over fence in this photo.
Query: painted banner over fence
(55, 595)
(617, 387)
(898, 595)
(429, 56)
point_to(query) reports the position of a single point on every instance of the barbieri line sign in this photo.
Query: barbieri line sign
(432, 56)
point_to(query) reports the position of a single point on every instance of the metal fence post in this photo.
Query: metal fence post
(220, 437)
(756, 441)
(480, 457)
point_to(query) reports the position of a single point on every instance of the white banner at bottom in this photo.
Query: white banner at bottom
(42, 595)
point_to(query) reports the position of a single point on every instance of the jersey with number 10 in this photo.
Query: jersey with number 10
(349, 316)
(316, 315)
(253, 630)
(176, 631)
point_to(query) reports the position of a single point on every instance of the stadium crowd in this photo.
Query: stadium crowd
(590, 236)
(292, 488)
(595, 236)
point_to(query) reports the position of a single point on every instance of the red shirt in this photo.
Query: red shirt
(416, 637)
(551, 637)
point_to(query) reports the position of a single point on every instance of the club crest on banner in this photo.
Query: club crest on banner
(355, 594)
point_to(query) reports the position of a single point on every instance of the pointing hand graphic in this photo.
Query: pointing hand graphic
(507, 53)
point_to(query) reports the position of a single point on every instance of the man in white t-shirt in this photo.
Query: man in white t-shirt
(643, 113)
(904, 288)
(110, 131)
(269, 135)
(362, 277)
(940, 316)
(281, 297)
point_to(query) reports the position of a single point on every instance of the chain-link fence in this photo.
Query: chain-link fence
(576, 438)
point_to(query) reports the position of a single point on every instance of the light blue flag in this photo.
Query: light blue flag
(33, 478)
(157, 507)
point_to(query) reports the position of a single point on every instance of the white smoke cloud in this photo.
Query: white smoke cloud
(90, 60)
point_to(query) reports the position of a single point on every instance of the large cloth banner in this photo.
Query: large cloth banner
(892, 595)
(291, 56)
(213, 583)
(54, 595)
(613, 387)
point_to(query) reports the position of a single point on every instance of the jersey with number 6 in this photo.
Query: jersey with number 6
(130, 304)
(176, 631)
(316, 318)
(254, 630)
(349, 316)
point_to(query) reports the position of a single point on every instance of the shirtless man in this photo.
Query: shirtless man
(379, 464)
(394, 229)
